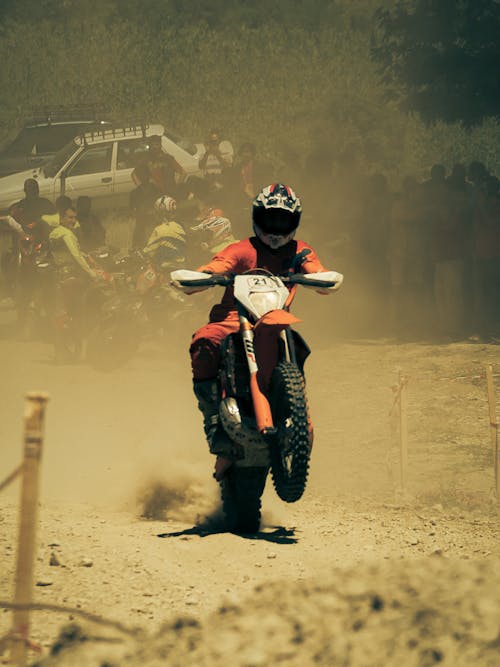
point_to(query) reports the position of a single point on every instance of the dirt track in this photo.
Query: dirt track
(123, 444)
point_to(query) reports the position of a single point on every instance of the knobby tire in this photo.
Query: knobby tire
(290, 452)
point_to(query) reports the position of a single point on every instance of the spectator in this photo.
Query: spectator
(434, 189)
(477, 174)
(92, 234)
(373, 241)
(65, 246)
(31, 238)
(163, 168)
(451, 251)
(253, 173)
(191, 197)
(345, 202)
(29, 210)
(142, 201)
(73, 271)
(487, 262)
(243, 182)
(374, 236)
(464, 198)
(217, 159)
(63, 202)
(406, 253)
(317, 177)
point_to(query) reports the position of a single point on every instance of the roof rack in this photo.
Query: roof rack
(54, 113)
(105, 132)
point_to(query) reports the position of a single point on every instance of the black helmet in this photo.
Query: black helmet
(276, 210)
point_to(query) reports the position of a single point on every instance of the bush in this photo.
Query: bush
(287, 89)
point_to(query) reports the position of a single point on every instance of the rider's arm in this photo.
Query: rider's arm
(72, 245)
(312, 264)
(225, 261)
(13, 224)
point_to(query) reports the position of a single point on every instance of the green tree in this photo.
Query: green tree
(445, 54)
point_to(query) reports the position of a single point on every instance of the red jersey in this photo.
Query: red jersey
(253, 254)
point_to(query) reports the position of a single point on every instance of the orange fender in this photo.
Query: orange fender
(279, 318)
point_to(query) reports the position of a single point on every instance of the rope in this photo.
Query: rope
(94, 618)
(10, 478)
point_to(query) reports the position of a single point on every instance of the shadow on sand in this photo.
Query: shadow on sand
(215, 526)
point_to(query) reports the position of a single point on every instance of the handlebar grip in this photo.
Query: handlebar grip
(210, 281)
(299, 279)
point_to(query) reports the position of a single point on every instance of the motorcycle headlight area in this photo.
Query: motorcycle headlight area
(260, 294)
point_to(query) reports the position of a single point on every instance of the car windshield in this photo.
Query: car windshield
(22, 145)
(59, 160)
(185, 144)
(42, 139)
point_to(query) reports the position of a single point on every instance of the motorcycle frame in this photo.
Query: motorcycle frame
(262, 409)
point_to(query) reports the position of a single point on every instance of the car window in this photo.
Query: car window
(130, 153)
(93, 160)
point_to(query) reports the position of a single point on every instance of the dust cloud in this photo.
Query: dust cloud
(127, 486)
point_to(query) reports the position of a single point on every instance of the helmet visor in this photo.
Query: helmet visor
(273, 241)
(276, 221)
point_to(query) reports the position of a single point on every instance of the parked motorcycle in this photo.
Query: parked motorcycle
(143, 304)
(115, 334)
(25, 284)
(263, 406)
(76, 304)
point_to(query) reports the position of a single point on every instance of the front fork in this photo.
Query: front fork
(262, 409)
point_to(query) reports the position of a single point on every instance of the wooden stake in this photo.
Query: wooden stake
(35, 403)
(403, 433)
(493, 427)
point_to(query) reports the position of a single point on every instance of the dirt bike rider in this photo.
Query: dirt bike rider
(28, 243)
(276, 213)
(65, 247)
(167, 242)
(215, 230)
(68, 296)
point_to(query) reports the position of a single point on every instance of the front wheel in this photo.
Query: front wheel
(291, 448)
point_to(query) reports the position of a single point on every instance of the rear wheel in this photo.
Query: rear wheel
(241, 491)
(291, 448)
(68, 343)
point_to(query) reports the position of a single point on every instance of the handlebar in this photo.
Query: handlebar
(226, 280)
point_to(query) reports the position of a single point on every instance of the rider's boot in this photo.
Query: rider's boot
(219, 443)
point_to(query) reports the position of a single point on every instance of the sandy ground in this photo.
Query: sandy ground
(356, 573)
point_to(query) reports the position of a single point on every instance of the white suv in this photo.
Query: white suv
(99, 164)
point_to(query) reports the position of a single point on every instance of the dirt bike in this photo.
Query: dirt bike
(263, 405)
(25, 283)
(115, 334)
(142, 305)
(74, 303)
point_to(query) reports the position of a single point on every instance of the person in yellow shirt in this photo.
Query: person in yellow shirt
(167, 242)
(64, 244)
(68, 298)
